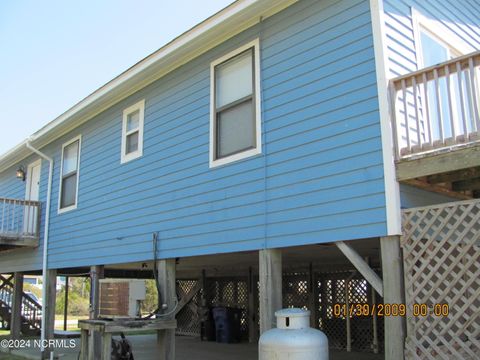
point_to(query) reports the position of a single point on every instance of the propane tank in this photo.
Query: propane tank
(293, 339)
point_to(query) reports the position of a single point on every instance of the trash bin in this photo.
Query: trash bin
(227, 324)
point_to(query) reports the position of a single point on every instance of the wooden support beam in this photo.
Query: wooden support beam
(372, 299)
(16, 311)
(447, 160)
(312, 301)
(270, 275)
(436, 189)
(465, 185)
(97, 273)
(252, 310)
(453, 176)
(49, 306)
(6, 281)
(362, 267)
(348, 322)
(188, 297)
(167, 278)
(394, 293)
(65, 306)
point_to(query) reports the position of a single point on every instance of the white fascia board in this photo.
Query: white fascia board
(218, 28)
(392, 188)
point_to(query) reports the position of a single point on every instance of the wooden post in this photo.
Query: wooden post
(65, 306)
(347, 315)
(16, 313)
(49, 304)
(374, 321)
(166, 278)
(270, 273)
(84, 345)
(372, 300)
(312, 301)
(107, 346)
(97, 272)
(204, 288)
(252, 324)
(393, 293)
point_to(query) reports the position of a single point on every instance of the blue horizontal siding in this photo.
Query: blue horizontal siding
(414, 197)
(319, 178)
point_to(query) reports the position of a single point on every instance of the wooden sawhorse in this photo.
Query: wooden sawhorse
(106, 328)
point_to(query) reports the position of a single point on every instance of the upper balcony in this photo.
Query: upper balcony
(436, 125)
(19, 223)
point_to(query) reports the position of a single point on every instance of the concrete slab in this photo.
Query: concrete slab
(187, 348)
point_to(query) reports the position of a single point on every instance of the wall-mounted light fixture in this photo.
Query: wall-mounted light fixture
(21, 173)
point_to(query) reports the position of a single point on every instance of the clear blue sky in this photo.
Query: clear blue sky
(54, 53)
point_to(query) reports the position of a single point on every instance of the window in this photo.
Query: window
(434, 44)
(235, 129)
(69, 175)
(132, 132)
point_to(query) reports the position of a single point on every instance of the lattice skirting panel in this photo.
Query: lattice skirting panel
(319, 292)
(441, 249)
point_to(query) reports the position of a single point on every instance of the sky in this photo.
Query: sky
(55, 53)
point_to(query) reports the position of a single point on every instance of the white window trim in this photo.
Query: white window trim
(140, 107)
(72, 207)
(439, 32)
(255, 44)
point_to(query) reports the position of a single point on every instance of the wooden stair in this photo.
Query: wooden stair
(31, 310)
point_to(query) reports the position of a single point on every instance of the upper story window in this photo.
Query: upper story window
(132, 132)
(69, 175)
(235, 119)
(434, 44)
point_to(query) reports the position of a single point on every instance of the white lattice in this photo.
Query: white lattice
(441, 249)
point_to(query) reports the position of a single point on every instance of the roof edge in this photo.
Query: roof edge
(209, 33)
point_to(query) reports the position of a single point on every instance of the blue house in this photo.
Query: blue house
(276, 137)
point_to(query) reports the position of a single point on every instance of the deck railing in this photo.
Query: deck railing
(19, 219)
(437, 107)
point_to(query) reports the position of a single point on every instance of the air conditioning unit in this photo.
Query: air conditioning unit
(121, 298)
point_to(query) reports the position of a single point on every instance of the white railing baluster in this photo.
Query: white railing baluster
(450, 102)
(417, 117)
(405, 114)
(26, 225)
(7, 219)
(426, 112)
(438, 99)
(461, 98)
(469, 100)
(12, 215)
(475, 99)
(3, 214)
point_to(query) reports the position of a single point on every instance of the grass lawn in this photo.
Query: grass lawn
(71, 324)
(10, 357)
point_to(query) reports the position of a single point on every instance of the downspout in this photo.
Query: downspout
(45, 239)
